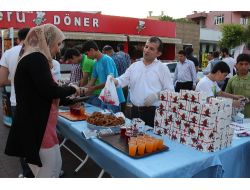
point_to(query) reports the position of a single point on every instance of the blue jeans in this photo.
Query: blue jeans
(113, 108)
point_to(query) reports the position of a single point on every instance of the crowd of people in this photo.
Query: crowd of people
(35, 93)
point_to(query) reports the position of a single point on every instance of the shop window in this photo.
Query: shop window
(219, 19)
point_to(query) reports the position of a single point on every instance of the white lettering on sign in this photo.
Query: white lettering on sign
(86, 22)
(56, 20)
(95, 22)
(77, 21)
(22, 19)
(67, 20)
(8, 16)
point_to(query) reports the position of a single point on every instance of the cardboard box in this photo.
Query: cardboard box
(183, 115)
(194, 107)
(183, 105)
(194, 117)
(207, 121)
(209, 110)
(164, 95)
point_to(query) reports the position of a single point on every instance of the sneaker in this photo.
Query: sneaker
(20, 176)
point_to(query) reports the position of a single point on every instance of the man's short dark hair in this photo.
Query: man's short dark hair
(189, 50)
(88, 45)
(69, 53)
(243, 57)
(120, 47)
(216, 54)
(182, 52)
(22, 33)
(225, 50)
(156, 40)
(107, 48)
(220, 66)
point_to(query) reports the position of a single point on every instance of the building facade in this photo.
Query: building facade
(105, 29)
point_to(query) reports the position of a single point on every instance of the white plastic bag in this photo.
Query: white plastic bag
(109, 94)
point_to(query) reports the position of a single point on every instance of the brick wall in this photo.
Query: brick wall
(189, 34)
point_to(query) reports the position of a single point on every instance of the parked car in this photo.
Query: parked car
(171, 66)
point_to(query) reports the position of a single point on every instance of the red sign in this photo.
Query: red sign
(88, 22)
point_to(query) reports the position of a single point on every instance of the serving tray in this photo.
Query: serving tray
(120, 144)
(72, 117)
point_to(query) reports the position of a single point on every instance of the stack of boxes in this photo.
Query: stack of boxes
(188, 118)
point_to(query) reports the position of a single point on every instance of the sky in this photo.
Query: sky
(128, 8)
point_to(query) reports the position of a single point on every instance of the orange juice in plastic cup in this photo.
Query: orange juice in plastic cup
(141, 147)
(155, 144)
(160, 144)
(132, 148)
(149, 145)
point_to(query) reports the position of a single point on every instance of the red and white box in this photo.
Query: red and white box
(194, 117)
(171, 116)
(209, 110)
(158, 130)
(195, 107)
(205, 146)
(173, 97)
(163, 105)
(199, 97)
(177, 124)
(183, 115)
(205, 134)
(207, 121)
(164, 95)
(185, 139)
(185, 125)
(184, 94)
(175, 135)
(193, 130)
(183, 104)
(218, 102)
(174, 107)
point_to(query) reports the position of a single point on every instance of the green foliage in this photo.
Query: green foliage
(179, 20)
(246, 36)
(232, 35)
(167, 18)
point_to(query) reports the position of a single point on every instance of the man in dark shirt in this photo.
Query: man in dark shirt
(189, 56)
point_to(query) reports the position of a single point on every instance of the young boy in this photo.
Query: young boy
(240, 83)
(209, 84)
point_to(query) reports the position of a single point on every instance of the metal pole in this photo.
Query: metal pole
(2, 33)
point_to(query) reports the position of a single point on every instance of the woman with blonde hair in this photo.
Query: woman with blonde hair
(33, 133)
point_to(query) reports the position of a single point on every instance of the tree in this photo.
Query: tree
(179, 20)
(232, 35)
(246, 36)
(166, 18)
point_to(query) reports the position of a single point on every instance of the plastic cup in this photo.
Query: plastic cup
(149, 145)
(155, 144)
(159, 144)
(141, 147)
(132, 148)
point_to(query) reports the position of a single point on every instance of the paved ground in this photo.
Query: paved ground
(10, 167)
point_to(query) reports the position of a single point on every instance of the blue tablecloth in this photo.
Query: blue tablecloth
(179, 161)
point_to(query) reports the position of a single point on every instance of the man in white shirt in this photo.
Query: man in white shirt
(56, 70)
(230, 62)
(146, 78)
(8, 64)
(208, 84)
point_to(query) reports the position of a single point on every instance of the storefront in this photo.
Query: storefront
(105, 29)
